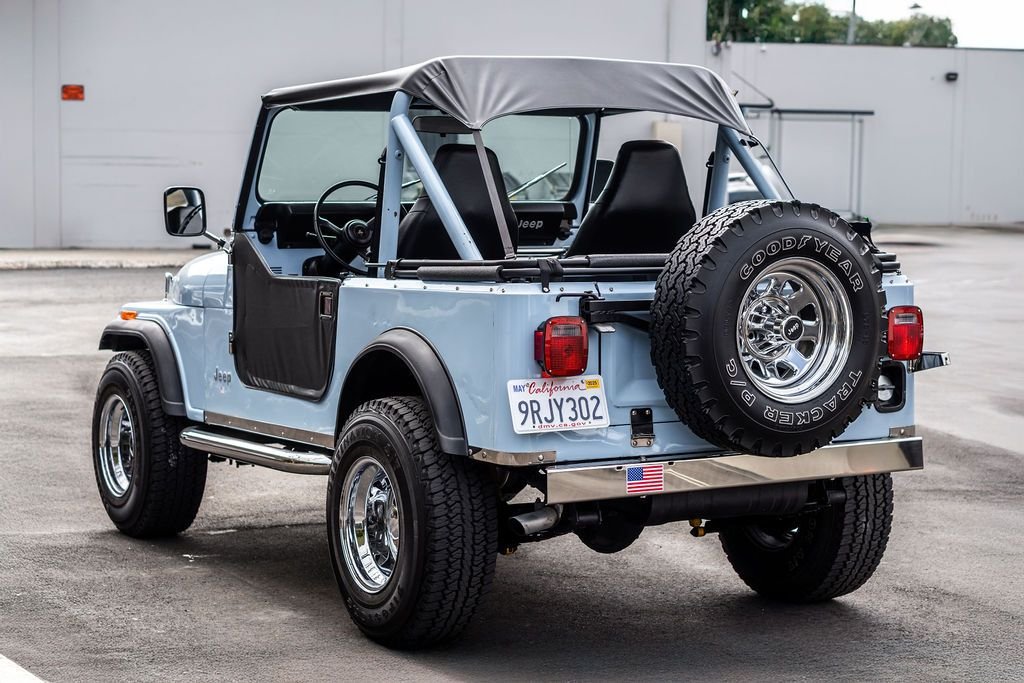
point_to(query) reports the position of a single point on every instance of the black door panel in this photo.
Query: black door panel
(284, 327)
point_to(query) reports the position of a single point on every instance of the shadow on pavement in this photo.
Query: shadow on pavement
(558, 612)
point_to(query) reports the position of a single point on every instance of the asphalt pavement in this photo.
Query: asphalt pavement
(248, 594)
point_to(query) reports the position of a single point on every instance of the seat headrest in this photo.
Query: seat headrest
(422, 235)
(645, 207)
(459, 158)
(459, 168)
(647, 175)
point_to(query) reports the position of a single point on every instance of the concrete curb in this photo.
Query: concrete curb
(916, 227)
(25, 259)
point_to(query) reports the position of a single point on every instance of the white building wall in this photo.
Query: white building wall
(46, 130)
(17, 193)
(172, 90)
(988, 148)
(935, 151)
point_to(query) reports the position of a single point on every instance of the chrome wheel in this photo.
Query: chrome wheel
(794, 333)
(117, 445)
(370, 516)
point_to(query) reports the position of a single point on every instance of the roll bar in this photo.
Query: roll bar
(403, 142)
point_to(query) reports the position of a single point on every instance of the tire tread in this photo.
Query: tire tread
(461, 528)
(850, 547)
(177, 475)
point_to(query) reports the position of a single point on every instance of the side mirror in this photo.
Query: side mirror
(184, 212)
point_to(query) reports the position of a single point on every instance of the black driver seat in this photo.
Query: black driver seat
(645, 207)
(422, 235)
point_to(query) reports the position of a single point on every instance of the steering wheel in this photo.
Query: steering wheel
(353, 238)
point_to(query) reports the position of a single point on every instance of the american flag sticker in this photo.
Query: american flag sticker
(645, 479)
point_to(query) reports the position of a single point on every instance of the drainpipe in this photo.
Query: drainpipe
(851, 30)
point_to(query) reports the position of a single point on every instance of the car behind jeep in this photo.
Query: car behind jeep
(437, 295)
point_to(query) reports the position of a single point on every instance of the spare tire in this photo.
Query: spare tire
(767, 326)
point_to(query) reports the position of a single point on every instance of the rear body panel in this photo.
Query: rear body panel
(484, 335)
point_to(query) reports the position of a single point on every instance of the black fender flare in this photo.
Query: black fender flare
(134, 335)
(426, 369)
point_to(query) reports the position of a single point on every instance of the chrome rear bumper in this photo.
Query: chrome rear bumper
(607, 480)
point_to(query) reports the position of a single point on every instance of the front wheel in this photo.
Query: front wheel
(413, 532)
(818, 555)
(149, 483)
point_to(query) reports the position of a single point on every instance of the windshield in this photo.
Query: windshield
(309, 150)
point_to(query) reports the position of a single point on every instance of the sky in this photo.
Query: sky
(976, 23)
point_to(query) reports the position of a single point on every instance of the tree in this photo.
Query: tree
(782, 21)
(816, 24)
(919, 30)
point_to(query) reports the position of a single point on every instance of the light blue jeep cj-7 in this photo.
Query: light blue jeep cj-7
(485, 335)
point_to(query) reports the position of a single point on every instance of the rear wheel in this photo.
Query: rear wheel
(413, 531)
(816, 555)
(149, 483)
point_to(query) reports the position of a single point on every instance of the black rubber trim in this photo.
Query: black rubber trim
(431, 375)
(252, 165)
(602, 261)
(616, 311)
(623, 260)
(456, 274)
(130, 335)
(897, 374)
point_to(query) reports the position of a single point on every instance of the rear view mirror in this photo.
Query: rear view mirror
(442, 125)
(184, 212)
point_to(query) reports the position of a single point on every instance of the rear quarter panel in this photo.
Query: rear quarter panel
(484, 335)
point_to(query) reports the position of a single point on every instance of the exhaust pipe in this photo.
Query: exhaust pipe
(536, 521)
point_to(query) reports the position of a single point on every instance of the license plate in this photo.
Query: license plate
(555, 405)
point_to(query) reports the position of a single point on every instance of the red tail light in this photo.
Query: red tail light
(906, 332)
(560, 346)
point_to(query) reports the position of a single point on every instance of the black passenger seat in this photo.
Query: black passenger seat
(422, 234)
(645, 207)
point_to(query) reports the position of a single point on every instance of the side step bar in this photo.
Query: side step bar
(266, 455)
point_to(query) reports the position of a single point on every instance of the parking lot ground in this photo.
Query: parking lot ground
(248, 593)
